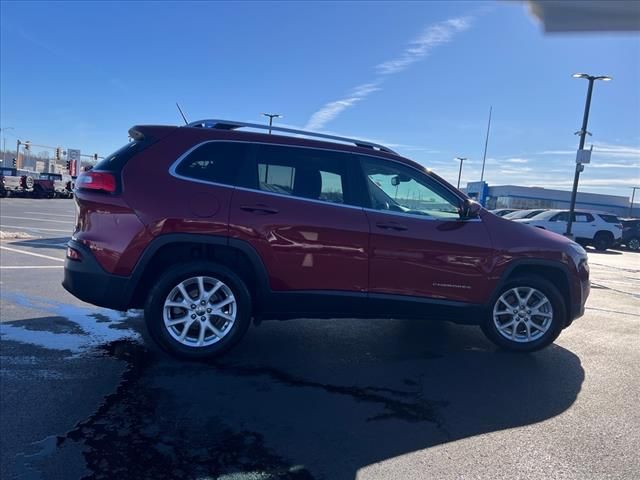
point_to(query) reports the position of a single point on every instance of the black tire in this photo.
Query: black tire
(558, 321)
(153, 310)
(602, 241)
(633, 244)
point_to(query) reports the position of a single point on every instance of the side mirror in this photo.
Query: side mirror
(470, 209)
(398, 179)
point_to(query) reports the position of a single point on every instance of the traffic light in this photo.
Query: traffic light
(58, 153)
(15, 163)
(95, 157)
(69, 165)
(27, 146)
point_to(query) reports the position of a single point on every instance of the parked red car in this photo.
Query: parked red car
(207, 226)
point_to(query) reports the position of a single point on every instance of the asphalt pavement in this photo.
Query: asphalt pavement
(84, 393)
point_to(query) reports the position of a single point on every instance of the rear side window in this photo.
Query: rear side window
(303, 172)
(116, 161)
(560, 217)
(609, 218)
(215, 162)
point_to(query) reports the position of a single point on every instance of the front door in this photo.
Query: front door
(420, 246)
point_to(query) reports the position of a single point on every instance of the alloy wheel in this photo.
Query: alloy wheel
(199, 311)
(522, 314)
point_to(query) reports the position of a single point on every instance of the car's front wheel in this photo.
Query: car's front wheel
(198, 310)
(527, 314)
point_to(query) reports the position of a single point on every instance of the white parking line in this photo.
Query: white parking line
(2, 247)
(52, 214)
(36, 229)
(27, 267)
(68, 222)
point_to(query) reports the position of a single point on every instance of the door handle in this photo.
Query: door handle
(259, 209)
(391, 226)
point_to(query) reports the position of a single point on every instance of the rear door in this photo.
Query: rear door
(419, 245)
(557, 223)
(298, 208)
(584, 225)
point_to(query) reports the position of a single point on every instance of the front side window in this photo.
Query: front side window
(303, 172)
(397, 188)
(215, 162)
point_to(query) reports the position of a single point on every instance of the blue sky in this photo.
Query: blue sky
(418, 76)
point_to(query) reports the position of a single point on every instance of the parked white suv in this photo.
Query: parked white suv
(599, 229)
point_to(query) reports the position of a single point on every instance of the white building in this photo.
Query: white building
(514, 196)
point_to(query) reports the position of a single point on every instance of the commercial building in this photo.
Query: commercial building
(514, 196)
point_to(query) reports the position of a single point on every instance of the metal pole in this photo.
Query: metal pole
(579, 167)
(486, 142)
(17, 152)
(460, 171)
(271, 117)
(633, 196)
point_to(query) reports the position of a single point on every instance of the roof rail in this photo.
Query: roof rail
(233, 125)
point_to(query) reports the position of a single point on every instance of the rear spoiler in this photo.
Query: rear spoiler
(151, 133)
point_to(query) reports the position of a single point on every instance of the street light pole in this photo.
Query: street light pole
(486, 143)
(633, 196)
(462, 159)
(583, 137)
(271, 117)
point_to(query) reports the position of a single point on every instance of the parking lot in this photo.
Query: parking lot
(83, 393)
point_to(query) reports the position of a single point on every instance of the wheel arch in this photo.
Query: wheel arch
(167, 250)
(555, 272)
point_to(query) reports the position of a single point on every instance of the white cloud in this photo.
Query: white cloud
(516, 160)
(602, 149)
(621, 151)
(332, 109)
(614, 165)
(432, 37)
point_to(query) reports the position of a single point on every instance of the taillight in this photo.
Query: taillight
(92, 180)
(73, 254)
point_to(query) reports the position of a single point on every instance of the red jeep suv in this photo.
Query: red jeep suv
(209, 225)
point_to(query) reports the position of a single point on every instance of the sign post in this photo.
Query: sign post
(74, 161)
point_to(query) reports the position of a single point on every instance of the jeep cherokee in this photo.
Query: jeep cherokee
(213, 224)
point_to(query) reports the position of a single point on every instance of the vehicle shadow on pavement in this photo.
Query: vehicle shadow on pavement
(317, 399)
(60, 243)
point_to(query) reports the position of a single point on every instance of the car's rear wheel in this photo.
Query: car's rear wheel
(634, 244)
(198, 310)
(527, 314)
(602, 241)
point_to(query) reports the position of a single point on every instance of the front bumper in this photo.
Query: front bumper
(580, 291)
(87, 280)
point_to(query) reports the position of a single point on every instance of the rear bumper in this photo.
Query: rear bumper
(86, 280)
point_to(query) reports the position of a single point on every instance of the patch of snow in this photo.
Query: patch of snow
(14, 235)
(99, 326)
